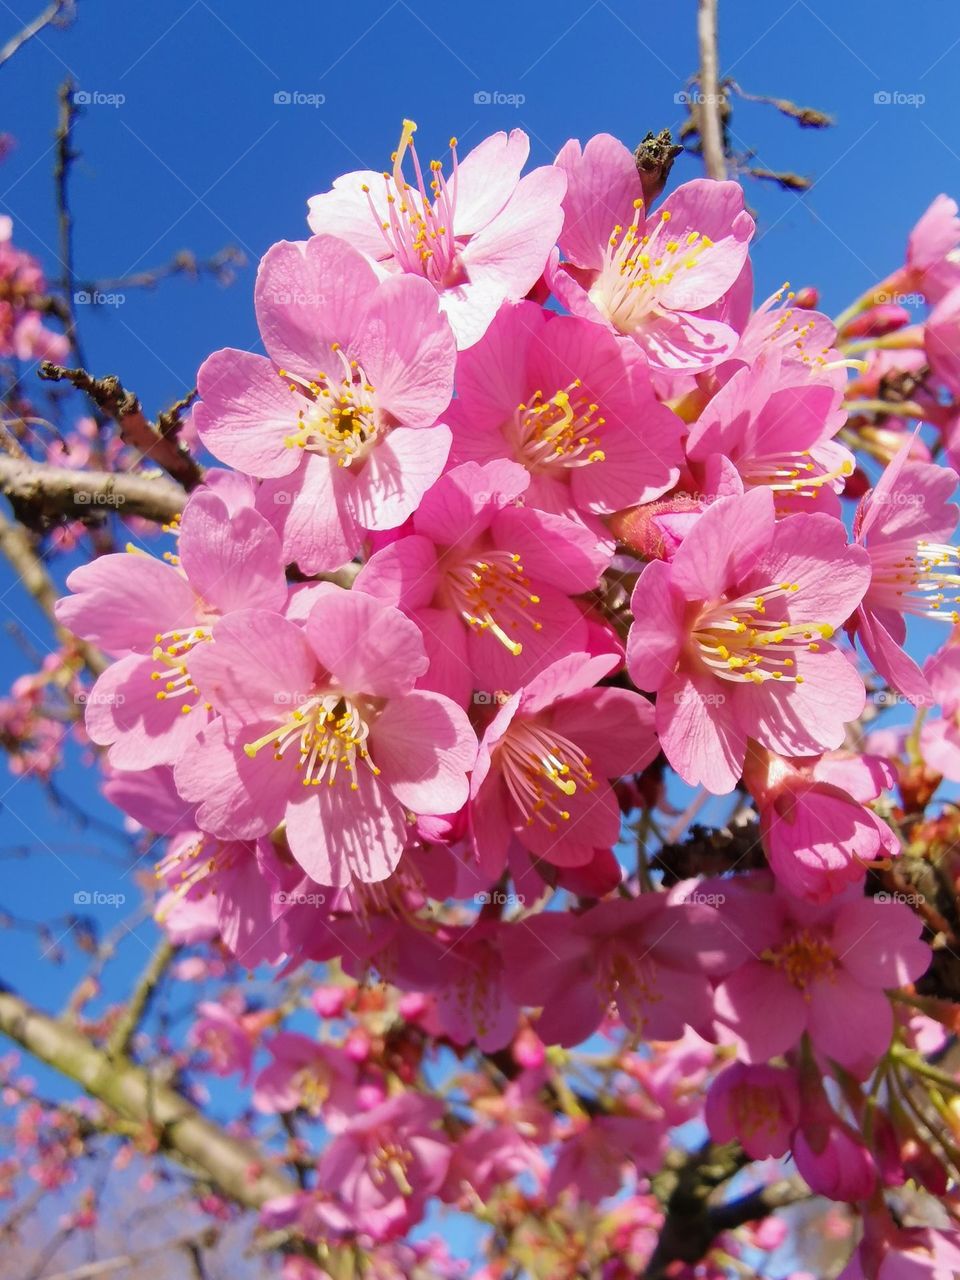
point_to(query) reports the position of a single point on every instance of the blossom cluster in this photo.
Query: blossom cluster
(526, 505)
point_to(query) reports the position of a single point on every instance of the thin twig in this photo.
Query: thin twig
(711, 100)
(135, 429)
(44, 19)
(66, 119)
(118, 1044)
(16, 545)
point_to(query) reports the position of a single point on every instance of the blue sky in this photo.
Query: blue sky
(188, 143)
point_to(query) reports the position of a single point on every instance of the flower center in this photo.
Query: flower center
(911, 578)
(557, 433)
(418, 229)
(755, 1110)
(312, 1082)
(170, 650)
(494, 595)
(390, 1159)
(326, 735)
(638, 264)
(803, 959)
(736, 641)
(339, 418)
(541, 768)
(631, 979)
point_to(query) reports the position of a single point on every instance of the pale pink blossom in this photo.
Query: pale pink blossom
(479, 236)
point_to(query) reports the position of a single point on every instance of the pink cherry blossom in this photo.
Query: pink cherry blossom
(822, 969)
(652, 278)
(775, 421)
(650, 955)
(318, 1078)
(479, 237)
(591, 1161)
(385, 1164)
(146, 706)
(932, 263)
(564, 399)
(341, 416)
(818, 833)
(488, 581)
(541, 775)
(733, 633)
(904, 523)
(940, 738)
(758, 1106)
(319, 728)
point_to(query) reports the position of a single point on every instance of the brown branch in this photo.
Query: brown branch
(41, 494)
(692, 1223)
(184, 263)
(233, 1165)
(709, 121)
(109, 395)
(17, 546)
(123, 1262)
(118, 1044)
(33, 28)
(66, 155)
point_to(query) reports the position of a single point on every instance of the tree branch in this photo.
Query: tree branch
(41, 494)
(118, 1044)
(236, 1167)
(16, 545)
(709, 115)
(109, 395)
(33, 28)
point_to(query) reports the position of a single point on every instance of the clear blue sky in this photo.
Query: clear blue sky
(199, 155)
